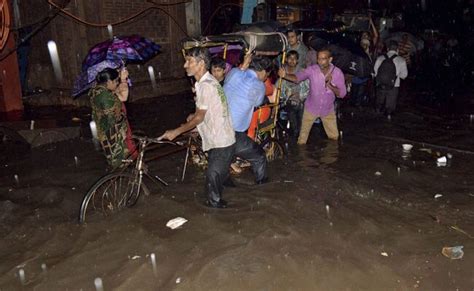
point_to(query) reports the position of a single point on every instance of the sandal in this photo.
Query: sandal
(235, 168)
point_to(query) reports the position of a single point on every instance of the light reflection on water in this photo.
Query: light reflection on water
(323, 153)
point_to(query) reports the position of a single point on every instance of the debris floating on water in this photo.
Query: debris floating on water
(378, 173)
(438, 196)
(407, 147)
(178, 280)
(384, 254)
(426, 150)
(441, 162)
(457, 228)
(454, 253)
(176, 222)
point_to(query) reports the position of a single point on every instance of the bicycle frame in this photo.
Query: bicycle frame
(140, 168)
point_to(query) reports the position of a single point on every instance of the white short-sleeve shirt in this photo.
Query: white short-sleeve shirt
(216, 130)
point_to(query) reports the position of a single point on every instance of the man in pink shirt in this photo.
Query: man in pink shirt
(326, 82)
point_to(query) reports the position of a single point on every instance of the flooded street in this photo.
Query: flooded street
(359, 214)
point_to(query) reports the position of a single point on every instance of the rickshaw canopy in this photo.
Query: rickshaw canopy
(261, 43)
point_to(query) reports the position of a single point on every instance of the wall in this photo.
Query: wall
(73, 40)
(193, 18)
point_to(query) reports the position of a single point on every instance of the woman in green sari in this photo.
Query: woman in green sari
(108, 112)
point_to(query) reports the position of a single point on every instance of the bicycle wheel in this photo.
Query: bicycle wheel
(273, 149)
(110, 194)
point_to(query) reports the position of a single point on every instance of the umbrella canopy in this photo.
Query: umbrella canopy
(113, 53)
(86, 79)
(132, 48)
(347, 55)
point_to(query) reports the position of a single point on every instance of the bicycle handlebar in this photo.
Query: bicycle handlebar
(156, 140)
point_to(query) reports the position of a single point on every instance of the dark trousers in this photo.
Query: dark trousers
(249, 150)
(358, 94)
(295, 116)
(389, 97)
(219, 160)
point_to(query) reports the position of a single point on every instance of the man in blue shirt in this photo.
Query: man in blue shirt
(245, 90)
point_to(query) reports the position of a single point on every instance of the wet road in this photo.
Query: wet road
(355, 215)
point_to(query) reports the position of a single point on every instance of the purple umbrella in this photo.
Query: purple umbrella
(86, 79)
(132, 48)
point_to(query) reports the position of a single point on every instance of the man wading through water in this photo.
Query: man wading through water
(212, 120)
(326, 82)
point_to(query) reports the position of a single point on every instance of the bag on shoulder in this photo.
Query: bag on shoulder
(387, 73)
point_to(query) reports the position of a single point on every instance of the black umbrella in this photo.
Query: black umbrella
(347, 55)
(319, 26)
(264, 26)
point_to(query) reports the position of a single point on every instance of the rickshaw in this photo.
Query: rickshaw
(270, 44)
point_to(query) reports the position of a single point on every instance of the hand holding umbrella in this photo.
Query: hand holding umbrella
(113, 54)
(123, 75)
(123, 90)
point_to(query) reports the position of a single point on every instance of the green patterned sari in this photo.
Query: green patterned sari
(111, 124)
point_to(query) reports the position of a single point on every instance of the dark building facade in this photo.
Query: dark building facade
(164, 24)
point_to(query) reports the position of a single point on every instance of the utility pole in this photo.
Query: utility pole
(10, 88)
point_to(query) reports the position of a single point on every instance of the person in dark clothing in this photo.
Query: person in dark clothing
(387, 97)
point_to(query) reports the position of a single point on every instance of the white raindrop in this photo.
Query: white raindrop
(153, 263)
(151, 73)
(53, 53)
(99, 286)
(110, 31)
(21, 274)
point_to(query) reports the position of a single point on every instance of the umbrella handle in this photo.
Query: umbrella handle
(124, 66)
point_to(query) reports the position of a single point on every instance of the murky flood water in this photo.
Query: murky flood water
(359, 214)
